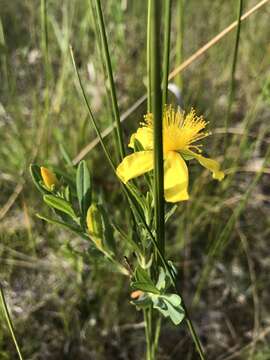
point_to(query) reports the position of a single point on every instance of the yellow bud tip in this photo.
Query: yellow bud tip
(48, 177)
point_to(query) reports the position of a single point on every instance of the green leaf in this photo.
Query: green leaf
(161, 283)
(143, 281)
(37, 179)
(59, 204)
(142, 275)
(169, 306)
(144, 286)
(84, 187)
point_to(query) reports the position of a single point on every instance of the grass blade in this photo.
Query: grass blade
(93, 121)
(148, 57)
(179, 39)
(9, 322)
(232, 77)
(84, 187)
(106, 54)
(166, 53)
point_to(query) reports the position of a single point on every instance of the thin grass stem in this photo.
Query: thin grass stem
(93, 120)
(232, 75)
(179, 39)
(103, 64)
(3, 55)
(166, 51)
(44, 29)
(148, 57)
(9, 322)
(106, 54)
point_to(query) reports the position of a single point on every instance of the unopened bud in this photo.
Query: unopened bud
(48, 177)
(95, 224)
(136, 294)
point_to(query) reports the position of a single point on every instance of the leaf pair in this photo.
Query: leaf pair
(169, 305)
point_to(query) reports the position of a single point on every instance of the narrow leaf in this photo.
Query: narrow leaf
(59, 204)
(84, 187)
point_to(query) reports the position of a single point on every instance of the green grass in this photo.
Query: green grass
(57, 298)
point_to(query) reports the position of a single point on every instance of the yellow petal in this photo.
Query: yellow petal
(135, 165)
(175, 178)
(145, 137)
(209, 164)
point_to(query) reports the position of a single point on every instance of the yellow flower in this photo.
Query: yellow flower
(48, 177)
(180, 132)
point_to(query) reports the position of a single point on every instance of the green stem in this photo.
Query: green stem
(166, 53)
(193, 333)
(105, 50)
(9, 322)
(148, 58)
(157, 112)
(232, 78)
(103, 64)
(147, 314)
(157, 333)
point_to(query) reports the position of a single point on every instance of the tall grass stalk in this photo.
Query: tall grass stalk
(106, 55)
(148, 57)
(158, 147)
(47, 71)
(91, 116)
(3, 56)
(104, 69)
(157, 113)
(166, 51)
(232, 75)
(179, 39)
(44, 31)
(9, 322)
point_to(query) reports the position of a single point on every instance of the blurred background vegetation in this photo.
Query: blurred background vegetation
(66, 306)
